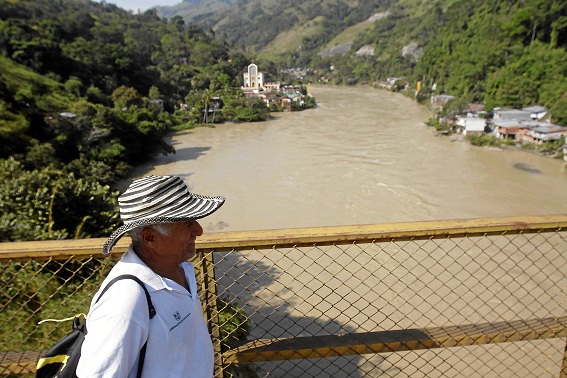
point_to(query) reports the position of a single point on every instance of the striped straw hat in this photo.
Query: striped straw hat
(159, 199)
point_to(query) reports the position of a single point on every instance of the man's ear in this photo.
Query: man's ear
(148, 236)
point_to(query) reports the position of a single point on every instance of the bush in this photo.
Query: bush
(52, 204)
(234, 326)
(552, 146)
(485, 140)
(437, 124)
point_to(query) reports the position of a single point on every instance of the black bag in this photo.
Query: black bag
(61, 360)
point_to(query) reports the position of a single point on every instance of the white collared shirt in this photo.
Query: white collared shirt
(178, 342)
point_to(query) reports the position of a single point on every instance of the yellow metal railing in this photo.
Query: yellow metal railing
(475, 297)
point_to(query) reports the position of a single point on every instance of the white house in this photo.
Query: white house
(471, 125)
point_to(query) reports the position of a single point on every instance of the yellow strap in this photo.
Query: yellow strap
(62, 320)
(61, 358)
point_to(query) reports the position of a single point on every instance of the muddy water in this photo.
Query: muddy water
(363, 156)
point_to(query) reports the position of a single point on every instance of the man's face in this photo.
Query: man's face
(180, 242)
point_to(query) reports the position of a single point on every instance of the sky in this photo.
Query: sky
(142, 5)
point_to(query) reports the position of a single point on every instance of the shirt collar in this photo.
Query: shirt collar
(130, 263)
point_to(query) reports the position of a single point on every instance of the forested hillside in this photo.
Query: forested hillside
(254, 24)
(82, 89)
(500, 52)
(192, 10)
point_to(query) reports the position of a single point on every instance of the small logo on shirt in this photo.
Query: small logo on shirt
(178, 319)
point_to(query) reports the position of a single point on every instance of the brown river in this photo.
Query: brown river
(362, 156)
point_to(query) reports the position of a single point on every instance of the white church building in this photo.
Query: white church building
(253, 79)
(256, 81)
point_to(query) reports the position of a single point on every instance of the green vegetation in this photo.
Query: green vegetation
(236, 327)
(489, 140)
(33, 291)
(484, 51)
(552, 147)
(437, 124)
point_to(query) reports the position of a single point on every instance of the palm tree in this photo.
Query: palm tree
(206, 101)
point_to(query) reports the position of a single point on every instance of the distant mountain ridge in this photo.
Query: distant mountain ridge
(278, 29)
(276, 26)
(497, 52)
(192, 10)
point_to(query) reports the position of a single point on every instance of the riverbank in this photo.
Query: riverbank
(493, 143)
(447, 121)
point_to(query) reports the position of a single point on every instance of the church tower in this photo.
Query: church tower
(253, 79)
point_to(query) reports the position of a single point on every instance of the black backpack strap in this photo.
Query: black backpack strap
(131, 277)
(151, 309)
(142, 357)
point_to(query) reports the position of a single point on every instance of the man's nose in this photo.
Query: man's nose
(197, 229)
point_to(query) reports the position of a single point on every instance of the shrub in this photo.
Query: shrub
(485, 140)
(234, 326)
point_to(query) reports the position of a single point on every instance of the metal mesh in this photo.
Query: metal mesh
(33, 291)
(317, 290)
(356, 288)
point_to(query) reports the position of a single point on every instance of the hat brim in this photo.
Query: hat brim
(209, 204)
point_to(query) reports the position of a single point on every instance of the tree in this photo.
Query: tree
(535, 70)
(74, 85)
(559, 110)
(49, 204)
(13, 130)
(154, 93)
(123, 97)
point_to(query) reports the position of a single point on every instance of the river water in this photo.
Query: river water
(362, 156)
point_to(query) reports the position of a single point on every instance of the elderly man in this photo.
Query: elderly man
(160, 215)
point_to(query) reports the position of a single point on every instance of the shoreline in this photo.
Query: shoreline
(458, 137)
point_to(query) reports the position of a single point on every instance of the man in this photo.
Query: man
(160, 215)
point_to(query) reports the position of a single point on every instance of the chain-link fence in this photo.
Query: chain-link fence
(400, 284)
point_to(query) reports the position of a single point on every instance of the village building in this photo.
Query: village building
(471, 125)
(253, 79)
(509, 129)
(531, 131)
(477, 109)
(439, 101)
(511, 114)
(521, 125)
(473, 120)
(157, 102)
(525, 125)
(543, 132)
(256, 81)
(256, 85)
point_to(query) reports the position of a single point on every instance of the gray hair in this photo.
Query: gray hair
(136, 233)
